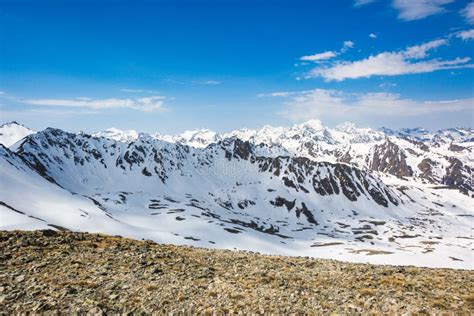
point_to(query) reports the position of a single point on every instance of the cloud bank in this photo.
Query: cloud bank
(466, 35)
(468, 12)
(334, 104)
(145, 104)
(410, 10)
(412, 60)
(346, 45)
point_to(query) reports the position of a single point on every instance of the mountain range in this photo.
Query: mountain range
(350, 193)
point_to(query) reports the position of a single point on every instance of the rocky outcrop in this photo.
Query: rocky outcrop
(458, 176)
(426, 167)
(390, 158)
(352, 183)
(456, 148)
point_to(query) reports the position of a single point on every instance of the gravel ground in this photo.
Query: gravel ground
(78, 272)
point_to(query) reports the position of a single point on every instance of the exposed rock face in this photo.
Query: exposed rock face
(279, 201)
(456, 148)
(426, 167)
(242, 150)
(351, 183)
(419, 144)
(307, 213)
(458, 175)
(328, 179)
(346, 158)
(389, 158)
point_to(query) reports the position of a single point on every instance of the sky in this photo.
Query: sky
(171, 66)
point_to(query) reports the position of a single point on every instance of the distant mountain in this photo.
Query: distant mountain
(459, 135)
(122, 136)
(349, 193)
(198, 138)
(442, 157)
(12, 132)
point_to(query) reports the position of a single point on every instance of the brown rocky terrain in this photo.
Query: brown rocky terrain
(78, 272)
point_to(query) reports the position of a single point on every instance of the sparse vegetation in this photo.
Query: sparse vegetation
(89, 273)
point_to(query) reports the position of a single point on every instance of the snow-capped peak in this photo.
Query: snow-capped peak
(313, 124)
(204, 134)
(443, 136)
(199, 138)
(387, 131)
(346, 127)
(116, 134)
(350, 132)
(12, 132)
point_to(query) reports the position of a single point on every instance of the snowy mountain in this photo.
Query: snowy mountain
(198, 138)
(122, 136)
(12, 132)
(443, 157)
(347, 193)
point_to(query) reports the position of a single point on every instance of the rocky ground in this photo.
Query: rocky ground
(79, 272)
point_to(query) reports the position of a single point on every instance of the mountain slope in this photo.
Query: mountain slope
(12, 132)
(235, 193)
(97, 274)
(443, 157)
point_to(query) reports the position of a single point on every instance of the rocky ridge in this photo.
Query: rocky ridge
(404, 151)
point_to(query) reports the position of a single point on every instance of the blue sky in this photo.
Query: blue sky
(168, 66)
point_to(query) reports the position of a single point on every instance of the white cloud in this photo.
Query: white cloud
(137, 91)
(274, 94)
(372, 35)
(468, 12)
(320, 56)
(410, 10)
(421, 51)
(4, 95)
(332, 104)
(46, 113)
(346, 45)
(282, 93)
(390, 64)
(387, 85)
(132, 90)
(466, 35)
(385, 64)
(359, 3)
(211, 82)
(207, 82)
(148, 104)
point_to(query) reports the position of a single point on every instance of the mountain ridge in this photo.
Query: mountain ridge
(279, 195)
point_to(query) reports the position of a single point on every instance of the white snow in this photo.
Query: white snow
(98, 190)
(12, 132)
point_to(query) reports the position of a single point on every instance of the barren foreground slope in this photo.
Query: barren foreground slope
(64, 271)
